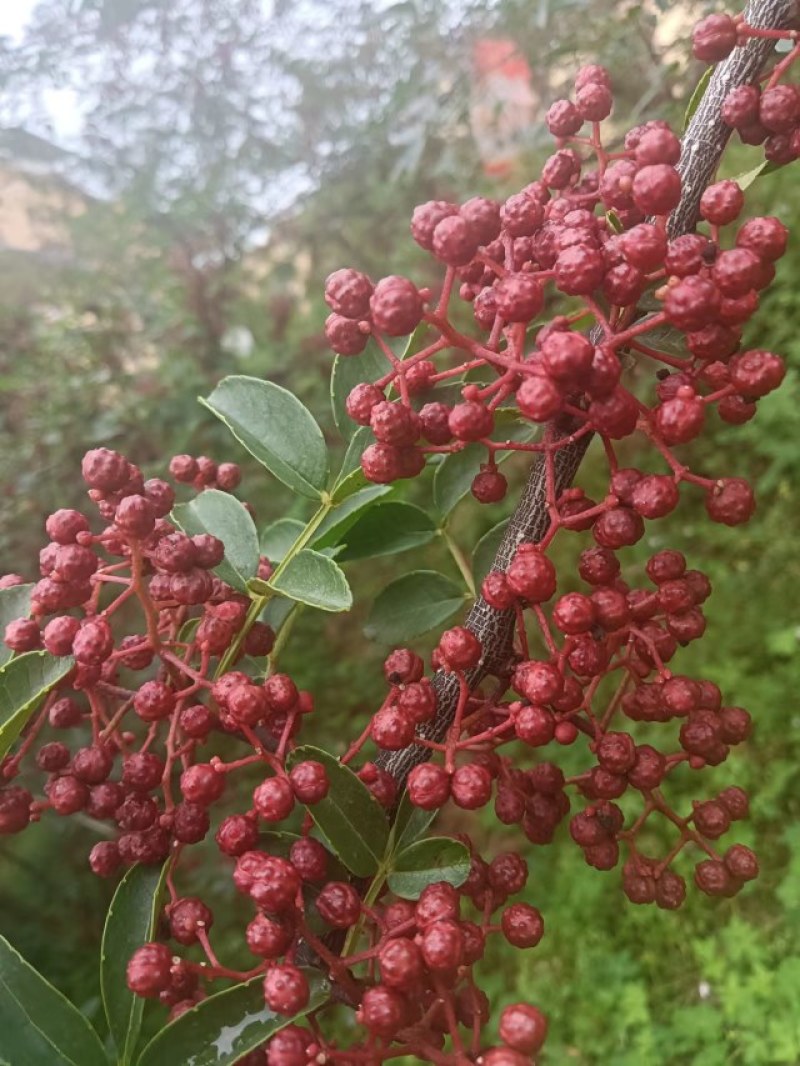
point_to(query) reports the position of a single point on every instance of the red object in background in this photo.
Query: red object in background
(503, 103)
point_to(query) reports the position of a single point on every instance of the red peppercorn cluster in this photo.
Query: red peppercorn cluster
(141, 698)
(767, 112)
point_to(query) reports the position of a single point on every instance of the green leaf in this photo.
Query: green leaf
(224, 517)
(454, 476)
(410, 823)
(412, 605)
(349, 371)
(24, 682)
(666, 339)
(277, 611)
(696, 97)
(386, 529)
(276, 429)
(15, 602)
(277, 538)
(316, 580)
(350, 818)
(354, 482)
(427, 862)
(745, 180)
(220, 1030)
(351, 464)
(614, 221)
(38, 1025)
(485, 551)
(130, 922)
(345, 514)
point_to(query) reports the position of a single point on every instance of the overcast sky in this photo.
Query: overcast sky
(62, 107)
(14, 15)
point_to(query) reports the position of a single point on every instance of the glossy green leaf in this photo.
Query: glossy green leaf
(349, 371)
(350, 818)
(276, 428)
(386, 529)
(38, 1025)
(696, 97)
(426, 863)
(24, 682)
(228, 519)
(130, 922)
(409, 824)
(15, 602)
(220, 1030)
(316, 580)
(485, 551)
(412, 605)
(276, 539)
(342, 518)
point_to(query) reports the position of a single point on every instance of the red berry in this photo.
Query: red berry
(519, 297)
(149, 970)
(273, 799)
(104, 469)
(309, 781)
(401, 964)
(428, 786)
(522, 925)
(347, 292)
(339, 904)
(539, 398)
(202, 784)
(15, 804)
(489, 486)
(459, 648)
(531, 575)
(186, 916)
(563, 119)
(286, 989)
(455, 242)
(657, 189)
(730, 501)
(579, 270)
(767, 237)
(426, 218)
(269, 937)
(714, 38)
(523, 1028)
(345, 336)
(396, 306)
(383, 1011)
(721, 203)
(471, 786)
(154, 701)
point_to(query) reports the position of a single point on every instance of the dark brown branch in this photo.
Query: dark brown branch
(702, 146)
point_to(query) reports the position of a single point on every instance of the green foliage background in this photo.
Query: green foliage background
(717, 983)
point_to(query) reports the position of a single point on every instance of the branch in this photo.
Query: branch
(702, 146)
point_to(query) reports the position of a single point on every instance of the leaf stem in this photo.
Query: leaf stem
(259, 602)
(460, 559)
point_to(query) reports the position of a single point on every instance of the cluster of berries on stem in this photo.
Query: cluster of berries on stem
(167, 707)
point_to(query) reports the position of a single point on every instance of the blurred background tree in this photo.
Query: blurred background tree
(227, 155)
